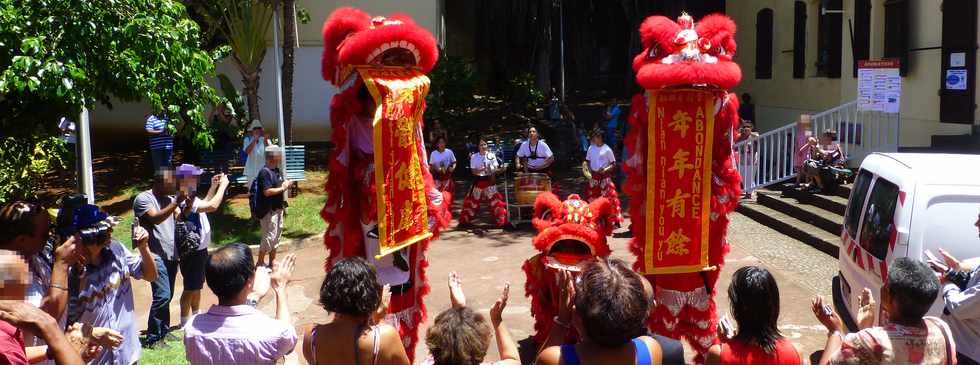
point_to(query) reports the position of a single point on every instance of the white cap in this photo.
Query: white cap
(255, 124)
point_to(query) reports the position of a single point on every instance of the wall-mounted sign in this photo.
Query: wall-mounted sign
(879, 86)
(956, 79)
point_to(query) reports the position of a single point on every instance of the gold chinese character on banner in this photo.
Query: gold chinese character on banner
(681, 122)
(676, 244)
(681, 164)
(677, 204)
(404, 128)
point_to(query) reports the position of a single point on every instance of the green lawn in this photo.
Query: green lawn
(172, 355)
(231, 223)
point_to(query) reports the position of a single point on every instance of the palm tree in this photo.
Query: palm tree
(245, 25)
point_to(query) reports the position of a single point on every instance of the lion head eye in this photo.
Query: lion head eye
(652, 53)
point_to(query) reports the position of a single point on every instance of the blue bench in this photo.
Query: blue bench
(295, 157)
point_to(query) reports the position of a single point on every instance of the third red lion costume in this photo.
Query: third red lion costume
(381, 201)
(680, 175)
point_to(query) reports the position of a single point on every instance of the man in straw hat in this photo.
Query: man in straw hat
(254, 146)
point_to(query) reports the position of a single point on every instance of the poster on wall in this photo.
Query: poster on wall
(879, 86)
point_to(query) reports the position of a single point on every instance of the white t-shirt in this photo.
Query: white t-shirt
(205, 224)
(600, 157)
(481, 165)
(442, 159)
(537, 155)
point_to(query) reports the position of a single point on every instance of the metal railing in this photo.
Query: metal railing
(771, 157)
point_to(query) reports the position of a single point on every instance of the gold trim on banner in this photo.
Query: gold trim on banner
(653, 127)
(417, 80)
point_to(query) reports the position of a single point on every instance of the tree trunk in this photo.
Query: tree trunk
(250, 79)
(288, 65)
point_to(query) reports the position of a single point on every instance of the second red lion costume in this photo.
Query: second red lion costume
(378, 66)
(680, 174)
(569, 232)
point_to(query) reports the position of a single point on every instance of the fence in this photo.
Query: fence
(769, 158)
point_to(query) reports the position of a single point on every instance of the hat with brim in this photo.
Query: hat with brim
(272, 149)
(187, 170)
(255, 124)
(89, 216)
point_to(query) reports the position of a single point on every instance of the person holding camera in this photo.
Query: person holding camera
(106, 295)
(192, 219)
(961, 303)
(271, 204)
(154, 211)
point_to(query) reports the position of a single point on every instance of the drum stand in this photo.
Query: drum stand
(517, 213)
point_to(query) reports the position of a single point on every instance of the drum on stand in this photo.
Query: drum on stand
(528, 186)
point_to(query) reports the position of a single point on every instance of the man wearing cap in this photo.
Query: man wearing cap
(161, 142)
(271, 202)
(106, 296)
(194, 213)
(255, 144)
(154, 210)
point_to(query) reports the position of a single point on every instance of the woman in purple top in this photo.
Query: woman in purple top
(106, 296)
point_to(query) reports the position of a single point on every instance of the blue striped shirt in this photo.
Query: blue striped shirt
(162, 141)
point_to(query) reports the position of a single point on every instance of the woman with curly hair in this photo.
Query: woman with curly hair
(461, 336)
(355, 334)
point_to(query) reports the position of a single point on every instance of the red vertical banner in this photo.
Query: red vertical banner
(399, 157)
(678, 172)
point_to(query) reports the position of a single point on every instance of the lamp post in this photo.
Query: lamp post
(277, 51)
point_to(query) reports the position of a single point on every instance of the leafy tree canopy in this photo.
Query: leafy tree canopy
(58, 55)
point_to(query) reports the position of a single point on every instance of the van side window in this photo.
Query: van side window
(879, 218)
(856, 202)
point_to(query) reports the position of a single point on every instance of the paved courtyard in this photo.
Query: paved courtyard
(487, 262)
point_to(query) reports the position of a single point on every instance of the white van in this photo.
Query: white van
(901, 205)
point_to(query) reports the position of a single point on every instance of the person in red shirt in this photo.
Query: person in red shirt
(17, 316)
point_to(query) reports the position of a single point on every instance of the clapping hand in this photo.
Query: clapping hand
(219, 179)
(825, 314)
(866, 310)
(497, 311)
(282, 271)
(140, 236)
(566, 295)
(456, 296)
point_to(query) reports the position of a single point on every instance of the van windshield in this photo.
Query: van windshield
(879, 218)
(856, 202)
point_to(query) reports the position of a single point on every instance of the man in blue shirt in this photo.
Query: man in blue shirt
(161, 142)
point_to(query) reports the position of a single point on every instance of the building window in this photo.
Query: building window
(763, 44)
(799, 40)
(896, 32)
(862, 33)
(829, 29)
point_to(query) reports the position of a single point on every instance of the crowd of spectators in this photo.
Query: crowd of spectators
(66, 297)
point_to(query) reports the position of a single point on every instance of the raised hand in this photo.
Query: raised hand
(566, 295)
(140, 237)
(497, 311)
(866, 310)
(282, 271)
(382, 311)
(456, 296)
(826, 315)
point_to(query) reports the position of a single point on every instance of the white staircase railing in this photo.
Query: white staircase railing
(769, 159)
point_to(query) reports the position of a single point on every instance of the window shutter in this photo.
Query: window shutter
(896, 32)
(763, 44)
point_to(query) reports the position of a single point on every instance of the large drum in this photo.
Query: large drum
(528, 186)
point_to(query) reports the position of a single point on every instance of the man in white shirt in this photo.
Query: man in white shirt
(534, 155)
(600, 165)
(960, 282)
(484, 166)
(442, 163)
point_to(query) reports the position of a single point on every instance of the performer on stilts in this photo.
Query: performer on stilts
(485, 167)
(442, 163)
(535, 156)
(382, 203)
(681, 177)
(600, 166)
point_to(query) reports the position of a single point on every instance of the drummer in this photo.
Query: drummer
(484, 166)
(442, 164)
(600, 165)
(534, 156)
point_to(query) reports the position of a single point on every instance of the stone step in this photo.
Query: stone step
(831, 203)
(804, 232)
(827, 221)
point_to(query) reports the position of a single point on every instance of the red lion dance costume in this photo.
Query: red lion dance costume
(680, 174)
(569, 232)
(381, 201)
